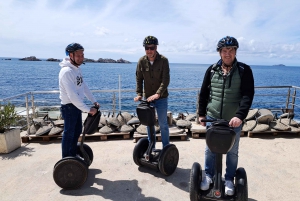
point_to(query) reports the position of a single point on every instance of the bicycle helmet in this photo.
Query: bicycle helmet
(150, 40)
(227, 41)
(73, 47)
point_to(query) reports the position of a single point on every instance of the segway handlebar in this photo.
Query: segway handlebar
(214, 120)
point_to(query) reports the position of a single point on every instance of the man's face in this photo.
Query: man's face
(228, 55)
(77, 56)
(150, 51)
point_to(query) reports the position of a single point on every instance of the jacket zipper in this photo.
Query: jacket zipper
(223, 88)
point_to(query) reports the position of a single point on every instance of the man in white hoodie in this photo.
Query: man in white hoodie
(73, 89)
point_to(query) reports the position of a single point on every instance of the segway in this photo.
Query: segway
(164, 160)
(219, 139)
(72, 172)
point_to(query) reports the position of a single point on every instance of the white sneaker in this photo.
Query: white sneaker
(205, 183)
(229, 188)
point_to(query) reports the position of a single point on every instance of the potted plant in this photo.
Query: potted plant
(10, 138)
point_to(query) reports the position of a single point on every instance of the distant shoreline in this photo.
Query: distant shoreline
(86, 60)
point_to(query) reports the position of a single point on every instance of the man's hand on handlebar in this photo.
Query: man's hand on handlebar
(137, 98)
(235, 122)
(201, 122)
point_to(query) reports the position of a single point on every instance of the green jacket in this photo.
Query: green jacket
(155, 78)
(225, 94)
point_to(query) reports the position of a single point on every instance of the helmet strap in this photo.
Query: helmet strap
(73, 61)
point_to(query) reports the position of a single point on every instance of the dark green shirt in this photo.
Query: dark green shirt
(155, 78)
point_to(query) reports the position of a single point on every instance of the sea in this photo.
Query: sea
(19, 77)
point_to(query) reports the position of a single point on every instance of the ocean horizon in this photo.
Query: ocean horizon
(18, 77)
(44, 59)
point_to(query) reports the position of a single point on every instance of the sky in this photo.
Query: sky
(188, 31)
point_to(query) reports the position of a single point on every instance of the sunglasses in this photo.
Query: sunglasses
(149, 48)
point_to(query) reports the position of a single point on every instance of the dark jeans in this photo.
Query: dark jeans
(72, 129)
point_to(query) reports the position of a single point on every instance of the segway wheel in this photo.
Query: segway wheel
(241, 185)
(168, 159)
(87, 149)
(139, 150)
(70, 173)
(195, 179)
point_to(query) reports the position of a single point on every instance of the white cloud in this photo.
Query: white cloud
(266, 30)
(101, 31)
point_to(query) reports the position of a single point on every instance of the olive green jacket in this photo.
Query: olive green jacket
(155, 78)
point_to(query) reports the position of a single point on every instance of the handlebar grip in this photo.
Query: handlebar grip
(207, 120)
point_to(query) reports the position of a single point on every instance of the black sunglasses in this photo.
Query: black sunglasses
(149, 48)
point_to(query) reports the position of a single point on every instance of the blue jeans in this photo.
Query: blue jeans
(72, 129)
(161, 106)
(231, 157)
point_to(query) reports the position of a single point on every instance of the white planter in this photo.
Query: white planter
(10, 140)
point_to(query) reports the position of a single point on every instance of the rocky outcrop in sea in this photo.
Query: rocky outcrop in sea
(100, 60)
(31, 58)
(52, 59)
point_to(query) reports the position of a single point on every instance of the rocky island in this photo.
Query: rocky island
(86, 60)
(279, 65)
(100, 60)
(31, 58)
(52, 59)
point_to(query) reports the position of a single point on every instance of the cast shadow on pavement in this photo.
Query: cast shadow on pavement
(22, 151)
(112, 190)
(180, 178)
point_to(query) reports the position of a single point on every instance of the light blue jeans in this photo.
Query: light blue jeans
(161, 106)
(231, 157)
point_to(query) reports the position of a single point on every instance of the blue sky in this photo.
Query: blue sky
(268, 31)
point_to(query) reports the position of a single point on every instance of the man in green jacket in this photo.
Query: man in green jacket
(152, 79)
(227, 92)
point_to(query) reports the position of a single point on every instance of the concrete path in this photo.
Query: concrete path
(272, 165)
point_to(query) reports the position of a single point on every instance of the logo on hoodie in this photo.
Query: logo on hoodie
(79, 80)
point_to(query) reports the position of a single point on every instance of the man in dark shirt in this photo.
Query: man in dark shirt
(227, 92)
(152, 79)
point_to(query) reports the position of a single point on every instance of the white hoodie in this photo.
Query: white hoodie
(72, 87)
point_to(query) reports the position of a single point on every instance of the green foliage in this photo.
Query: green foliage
(8, 116)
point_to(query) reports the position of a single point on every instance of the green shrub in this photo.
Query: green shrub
(8, 116)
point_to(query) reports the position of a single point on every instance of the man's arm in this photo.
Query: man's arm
(165, 78)
(70, 87)
(204, 93)
(247, 88)
(139, 79)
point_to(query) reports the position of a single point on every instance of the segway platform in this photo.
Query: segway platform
(72, 172)
(164, 160)
(219, 138)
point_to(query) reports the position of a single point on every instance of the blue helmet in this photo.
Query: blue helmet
(73, 47)
(150, 40)
(227, 41)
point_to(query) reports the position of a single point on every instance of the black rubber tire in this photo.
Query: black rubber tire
(168, 160)
(87, 149)
(241, 185)
(195, 180)
(139, 150)
(70, 173)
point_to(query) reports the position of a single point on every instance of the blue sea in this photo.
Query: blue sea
(19, 77)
